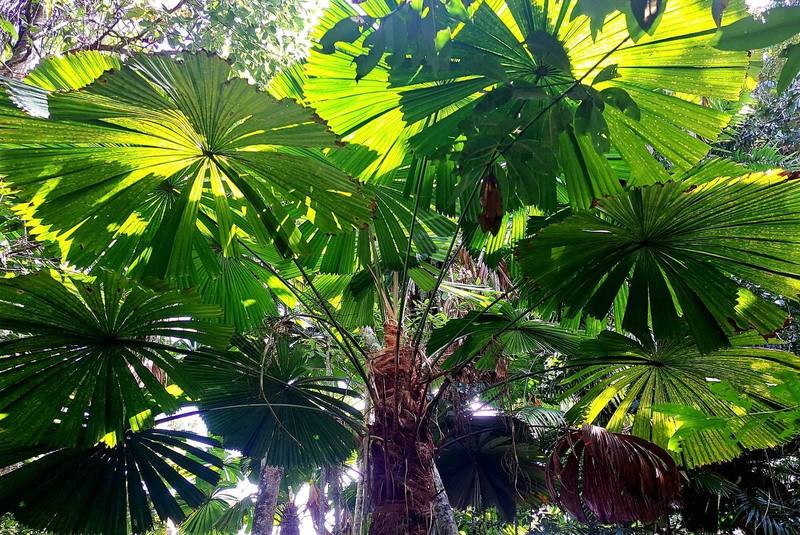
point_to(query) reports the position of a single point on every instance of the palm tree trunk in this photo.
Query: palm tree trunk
(442, 511)
(333, 475)
(358, 512)
(362, 488)
(269, 485)
(400, 470)
(290, 521)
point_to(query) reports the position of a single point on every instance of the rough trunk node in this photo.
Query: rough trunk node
(401, 445)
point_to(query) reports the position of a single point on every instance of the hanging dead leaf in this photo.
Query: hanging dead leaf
(491, 215)
(608, 477)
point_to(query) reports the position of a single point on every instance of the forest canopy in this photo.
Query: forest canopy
(399, 267)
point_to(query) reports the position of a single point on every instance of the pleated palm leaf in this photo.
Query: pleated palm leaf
(535, 70)
(672, 254)
(87, 355)
(108, 490)
(489, 465)
(640, 385)
(264, 402)
(141, 166)
(478, 334)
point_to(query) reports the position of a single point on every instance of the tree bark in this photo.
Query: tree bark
(269, 485)
(401, 446)
(31, 15)
(290, 521)
(333, 478)
(358, 512)
(317, 506)
(442, 510)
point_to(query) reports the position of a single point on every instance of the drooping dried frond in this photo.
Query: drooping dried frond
(609, 477)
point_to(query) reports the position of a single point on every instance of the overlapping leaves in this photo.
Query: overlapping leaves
(495, 334)
(262, 400)
(678, 249)
(665, 388)
(141, 166)
(489, 465)
(86, 355)
(537, 74)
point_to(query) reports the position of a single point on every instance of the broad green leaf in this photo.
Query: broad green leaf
(661, 387)
(790, 69)
(680, 249)
(749, 33)
(112, 490)
(264, 401)
(125, 168)
(72, 71)
(85, 355)
(402, 107)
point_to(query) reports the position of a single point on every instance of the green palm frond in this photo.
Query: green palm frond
(141, 166)
(491, 465)
(630, 384)
(85, 354)
(678, 250)
(263, 401)
(110, 490)
(480, 333)
(502, 79)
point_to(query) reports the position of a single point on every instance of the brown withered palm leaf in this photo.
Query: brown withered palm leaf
(610, 478)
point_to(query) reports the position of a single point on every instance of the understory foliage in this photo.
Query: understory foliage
(503, 257)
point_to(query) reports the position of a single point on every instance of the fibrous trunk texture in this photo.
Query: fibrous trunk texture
(401, 445)
(269, 484)
(290, 522)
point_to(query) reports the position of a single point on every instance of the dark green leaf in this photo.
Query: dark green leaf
(749, 33)
(790, 69)
(548, 50)
(608, 72)
(85, 355)
(95, 490)
(347, 30)
(646, 12)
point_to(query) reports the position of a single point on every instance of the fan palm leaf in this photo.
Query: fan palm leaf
(611, 478)
(109, 490)
(263, 401)
(637, 384)
(85, 352)
(126, 170)
(480, 332)
(502, 79)
(488, 466)
(678, 250)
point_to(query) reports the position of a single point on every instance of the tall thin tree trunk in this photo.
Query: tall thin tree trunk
(442, 510)
(333, 478)
(269, 484)
(317, 505)
(358, 511)
(401, 446)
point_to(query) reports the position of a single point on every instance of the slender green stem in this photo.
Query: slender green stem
(449, 258)
(404, 278)
(300, 297)
(354, 361)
